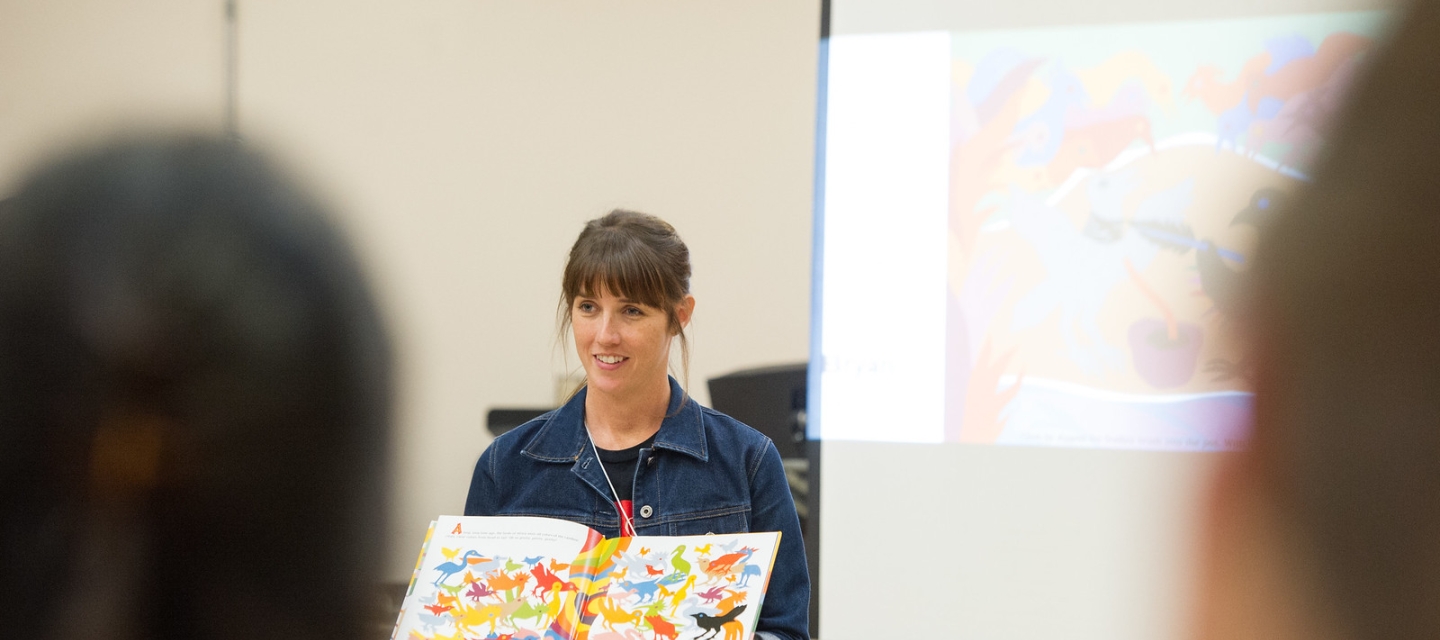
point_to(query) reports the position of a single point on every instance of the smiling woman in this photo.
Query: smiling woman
(691, 470)
(626, 294)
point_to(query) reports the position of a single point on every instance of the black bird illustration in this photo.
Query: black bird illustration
(1222, 284)
(1218, 280)
(711, 624)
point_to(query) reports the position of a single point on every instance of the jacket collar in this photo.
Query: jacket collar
(562, 438)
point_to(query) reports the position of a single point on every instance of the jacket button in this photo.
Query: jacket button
(646, 511)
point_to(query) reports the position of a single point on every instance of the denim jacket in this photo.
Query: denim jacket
(706, 473)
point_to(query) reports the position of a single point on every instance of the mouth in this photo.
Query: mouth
(609, 362)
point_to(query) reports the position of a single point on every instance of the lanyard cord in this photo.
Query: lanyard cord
(624, 519)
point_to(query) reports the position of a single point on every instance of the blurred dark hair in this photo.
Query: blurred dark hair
(194, 393)
(1347, 302)
(632, 255)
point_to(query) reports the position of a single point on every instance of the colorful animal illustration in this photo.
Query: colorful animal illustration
(552, 606)
(505, 582)
(723, 566)
(712, 594)
(654, 608)
(453, 567)
(1043, 130)
(677, 559)
(729, 602)
(432, 622)
(507, 604)
(478, 590)
(633, 564)
(682, 592)
(529, 611)
(975, 157)
(1124, 69)
(1239, 119)
(612, 614)
(533, 560)
(750, 571)
(1298, 125)
(1303, 73)
(1128, 102)
(1095, 145)
(712, 624)
(470, 618)
(733, 630)
(545, 580)
(662, 628)
(1219, 96)
(1082, 266)
(645, 591)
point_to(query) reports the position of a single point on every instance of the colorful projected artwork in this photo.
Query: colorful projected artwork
(1106, 186)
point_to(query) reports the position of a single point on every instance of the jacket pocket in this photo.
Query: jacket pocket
(727, 520)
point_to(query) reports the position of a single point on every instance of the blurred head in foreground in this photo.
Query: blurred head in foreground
(194, 402)
(1329, 525)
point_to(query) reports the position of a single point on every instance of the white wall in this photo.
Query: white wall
(464, 143)
(71, 69)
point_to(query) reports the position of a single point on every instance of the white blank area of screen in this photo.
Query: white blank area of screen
(887, 197)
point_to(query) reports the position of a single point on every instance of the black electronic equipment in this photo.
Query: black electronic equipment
(499, 421)
(770, 399)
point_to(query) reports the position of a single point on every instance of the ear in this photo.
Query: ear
(684, 310)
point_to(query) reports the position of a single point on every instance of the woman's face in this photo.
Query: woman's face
(624, 345)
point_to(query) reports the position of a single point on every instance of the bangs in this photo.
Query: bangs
(623, 266)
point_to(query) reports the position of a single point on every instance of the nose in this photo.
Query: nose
(609, 333)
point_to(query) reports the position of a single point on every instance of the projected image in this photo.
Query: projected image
(1034, 237)
(1106, 186)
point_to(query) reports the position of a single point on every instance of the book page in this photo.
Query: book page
(680, 587)
(492, 576)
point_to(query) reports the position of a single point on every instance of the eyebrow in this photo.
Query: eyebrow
(591, 295)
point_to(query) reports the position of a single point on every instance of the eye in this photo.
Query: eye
(585, 306)
(634, 312)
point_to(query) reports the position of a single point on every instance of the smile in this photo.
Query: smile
(611, 359)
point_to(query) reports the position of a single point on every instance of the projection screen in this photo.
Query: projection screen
(1031, 219)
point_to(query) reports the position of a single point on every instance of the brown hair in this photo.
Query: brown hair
(633, 255)
(1347, 303)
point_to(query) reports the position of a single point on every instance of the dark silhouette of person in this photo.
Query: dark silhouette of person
(1328, 526)
(194, 402)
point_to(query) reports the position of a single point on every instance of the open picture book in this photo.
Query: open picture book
(543, 578)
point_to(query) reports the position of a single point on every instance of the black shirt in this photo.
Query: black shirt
(620, 466)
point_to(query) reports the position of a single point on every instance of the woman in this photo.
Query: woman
(667, 466)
